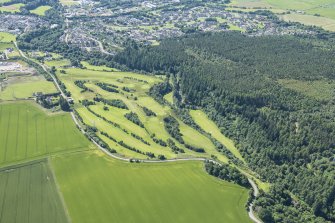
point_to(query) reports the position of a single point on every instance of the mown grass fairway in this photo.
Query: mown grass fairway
(209, 126)
(41, 10)
(27, 132)
(28, 193)
(99, 189)
(137, 98)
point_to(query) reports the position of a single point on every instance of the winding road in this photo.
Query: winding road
(253, 184)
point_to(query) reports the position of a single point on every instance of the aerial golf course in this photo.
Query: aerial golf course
(45, 150)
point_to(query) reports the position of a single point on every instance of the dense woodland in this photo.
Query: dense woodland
(285, 136)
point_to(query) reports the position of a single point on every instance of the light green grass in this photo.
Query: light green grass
(169, 97)
(41, 10)
(25, 89)
(99, 189)
(28, 193)
(97, 68)
(209, 126)
(11, 8)
(321, 90)
(311, 20)
(119, 135)
(58, 63)
(27, 132)
(69, 2)
(153, 125)
(7, 37)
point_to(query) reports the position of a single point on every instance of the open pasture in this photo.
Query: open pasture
(11, 8)
(99, 189)
(319, 89)
(26, 132)
(40, 10)
(307, 10)
(7, 37)
(28, 193)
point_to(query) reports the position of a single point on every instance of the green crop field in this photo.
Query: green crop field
(311, 8)
(100, 189)
(26, 132)
(7, 37)
(28, 193)
(41, 10)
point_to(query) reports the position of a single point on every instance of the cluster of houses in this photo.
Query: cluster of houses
(151, 21)
(18, 24)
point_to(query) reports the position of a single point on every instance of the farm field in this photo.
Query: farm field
(26, 132)
(171, 192)
(132, 91)
(41, 10)
(11, 8)
(324, 8)
(28, 193)
(310, 20)
(6, 37)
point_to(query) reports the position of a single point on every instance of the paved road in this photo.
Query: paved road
(253, 184)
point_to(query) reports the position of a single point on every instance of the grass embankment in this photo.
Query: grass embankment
(28, 133)
(114, 191)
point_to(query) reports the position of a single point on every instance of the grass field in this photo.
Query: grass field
(27, 132)
(6, 37)
(97, 68)
(99, 189)
(310, 20)
(28, 193)
(69, 2)
(58, 63)
(24, 87)
(209, 126)
(321, 90)
(324, 8)
(40, 10)
(11, 8)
